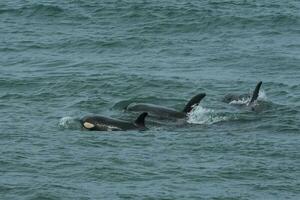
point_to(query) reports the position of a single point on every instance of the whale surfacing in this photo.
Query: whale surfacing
(101, 123)
(243, 97)
(164, 112)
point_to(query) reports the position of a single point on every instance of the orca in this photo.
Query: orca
(253, 97)
(164, 112)
(101, 123)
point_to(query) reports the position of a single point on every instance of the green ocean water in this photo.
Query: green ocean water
(62, 60)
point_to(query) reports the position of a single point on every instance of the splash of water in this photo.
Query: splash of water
(262, 96)
(200, 115)
(69, 123)
(243, 101)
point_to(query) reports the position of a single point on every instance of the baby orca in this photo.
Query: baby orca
(233, 97)
(163, 112)
(100, 123)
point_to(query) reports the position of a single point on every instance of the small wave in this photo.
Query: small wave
(69, 123)
(41, 10)
(12, 96)
(49, 10)
(35, 9)
(200, 115)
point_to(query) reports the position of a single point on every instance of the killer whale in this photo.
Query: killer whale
(101, 123)
(253, 97)
(164, 112)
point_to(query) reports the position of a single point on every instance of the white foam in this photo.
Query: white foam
(240, 101)
(200, 115)
(262, 95)
(68, 122)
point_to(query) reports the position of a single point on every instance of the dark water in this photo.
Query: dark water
(61, 60)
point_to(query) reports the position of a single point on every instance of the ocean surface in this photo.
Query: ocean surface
(62, 60)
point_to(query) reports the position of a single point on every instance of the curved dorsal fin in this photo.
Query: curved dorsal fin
(140, 120)
(195, 100)
(255, 92)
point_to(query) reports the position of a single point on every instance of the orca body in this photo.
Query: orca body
(101, 123)
(235, 97)
(253, 97)
(163, 112)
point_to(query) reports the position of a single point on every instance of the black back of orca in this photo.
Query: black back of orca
(101, 123)
(163, 112)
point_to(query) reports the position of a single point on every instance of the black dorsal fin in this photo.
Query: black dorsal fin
(140, 121)
(195, 100)
(255, 92)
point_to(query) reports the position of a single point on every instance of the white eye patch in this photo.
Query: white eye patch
(88, 125)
